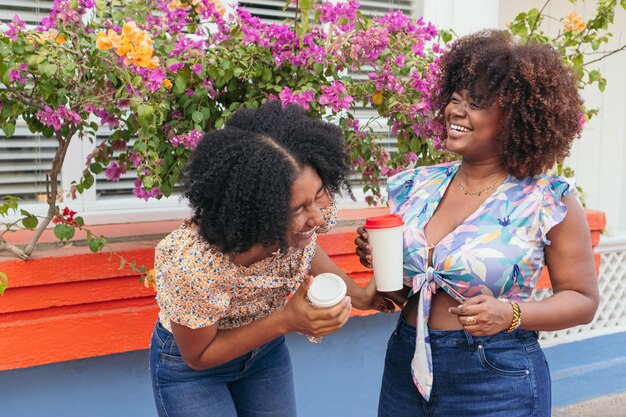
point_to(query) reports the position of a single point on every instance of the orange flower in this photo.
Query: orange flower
(134, 45)
(573, 23)
(149, 281)
(167, 84)
(377, 98)
(198, 5)
(107, 41)
(177, 5)
(50, 35)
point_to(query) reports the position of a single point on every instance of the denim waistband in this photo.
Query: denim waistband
(451, 338)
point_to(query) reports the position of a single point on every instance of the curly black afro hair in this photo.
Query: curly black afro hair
(238, 181)
(540, 104)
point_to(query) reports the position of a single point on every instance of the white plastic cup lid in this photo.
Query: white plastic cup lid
(326, 290)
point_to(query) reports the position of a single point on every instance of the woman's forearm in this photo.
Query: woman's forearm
(564, 309)
(321, 263)
(200, 350)
(232, 343)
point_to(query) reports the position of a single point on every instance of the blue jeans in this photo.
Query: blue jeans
(504, 375)
(257, 384)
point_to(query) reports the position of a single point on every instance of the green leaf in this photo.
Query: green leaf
(17, 48)
(595, 44)
(166, 189)
(267, 74)
(148, 182)
(4, 282)
(29, 221)
(64, 232)
(140, 147)
(87, 181)
(96, 243)
(79, 221)
(8, 129)
(145, 114)
(96, 168)
(594, 75)
(197, 117)
(122, 263)
(519, 29)
(623, 3)
(48, 69)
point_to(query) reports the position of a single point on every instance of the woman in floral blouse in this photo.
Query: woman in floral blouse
(478, 233)
(261, 190)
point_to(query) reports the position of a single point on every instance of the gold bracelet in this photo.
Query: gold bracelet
(517, 317)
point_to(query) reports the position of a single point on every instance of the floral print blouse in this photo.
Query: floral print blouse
(498, 250)
(198, 286)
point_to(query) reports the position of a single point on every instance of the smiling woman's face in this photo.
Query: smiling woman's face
(471, 127)
(308, 197)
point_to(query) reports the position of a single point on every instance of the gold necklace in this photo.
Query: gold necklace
(479, 192)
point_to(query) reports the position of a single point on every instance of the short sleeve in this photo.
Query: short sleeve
(399, 190)
(553, 210)
(185, 293)
(330, 218)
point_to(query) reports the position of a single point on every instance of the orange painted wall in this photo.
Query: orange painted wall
(68, 303)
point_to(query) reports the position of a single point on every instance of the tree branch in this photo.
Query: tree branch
(605, 55)
(24, 99)
(532, 30)
(6, 246)
(57, 163)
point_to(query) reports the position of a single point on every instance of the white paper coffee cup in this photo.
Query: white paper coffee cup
(385, 237)
(326, 290)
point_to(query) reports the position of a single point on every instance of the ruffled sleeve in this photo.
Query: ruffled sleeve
(552, 210)
(187, 294)
(399, 190)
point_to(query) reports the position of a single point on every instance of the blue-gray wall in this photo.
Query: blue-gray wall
(338, 378)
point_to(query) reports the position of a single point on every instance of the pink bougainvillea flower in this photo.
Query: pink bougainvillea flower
(114, 171)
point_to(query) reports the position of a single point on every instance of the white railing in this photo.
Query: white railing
(611, 315)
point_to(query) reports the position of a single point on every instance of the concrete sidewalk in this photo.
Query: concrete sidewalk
(608, 406)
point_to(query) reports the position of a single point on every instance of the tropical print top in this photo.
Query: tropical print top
(498, 250)
(198, 286)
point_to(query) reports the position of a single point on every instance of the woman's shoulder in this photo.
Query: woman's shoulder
(421, 180)
(186, 246)
(425, 172)
(548, 185)
(184, 235)
(421, 176)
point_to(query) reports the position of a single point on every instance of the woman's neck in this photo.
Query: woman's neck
(479, 172)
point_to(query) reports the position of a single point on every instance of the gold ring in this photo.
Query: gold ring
(470, 321)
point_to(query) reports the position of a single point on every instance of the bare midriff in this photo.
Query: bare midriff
(440, 318)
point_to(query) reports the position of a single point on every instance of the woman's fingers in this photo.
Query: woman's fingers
(329, 320)
(398, 297)
(470, 306)
(363, 249)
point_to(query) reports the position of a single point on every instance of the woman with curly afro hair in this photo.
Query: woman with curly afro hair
(261, 189)
(479, 232)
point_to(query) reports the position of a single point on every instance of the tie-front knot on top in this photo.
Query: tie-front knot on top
(498, 250)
